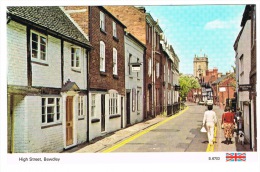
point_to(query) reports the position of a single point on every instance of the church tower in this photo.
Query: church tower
(200, 65)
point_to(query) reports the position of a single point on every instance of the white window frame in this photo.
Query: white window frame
(114, 30)
(80, 106)
(74, 60)
(56, 105)
(102, 21)
(93, 105)
(114, 61)
(113, 103)
(102, 56)
(149, 66)
(157, 70)
(38, 56)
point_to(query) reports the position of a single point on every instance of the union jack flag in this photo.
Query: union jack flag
(235, 157)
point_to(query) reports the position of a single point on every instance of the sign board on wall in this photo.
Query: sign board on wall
(135, 68)
(245, 87)
(222, 89)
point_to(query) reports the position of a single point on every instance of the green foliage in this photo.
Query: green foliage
(187, 83)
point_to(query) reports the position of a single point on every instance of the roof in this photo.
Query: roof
(219, 79)
(70, 86)
(51, 18)
(111, 15)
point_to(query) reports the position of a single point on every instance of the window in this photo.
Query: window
(114, 61)
(114, 29)
(133, 99)
(129, 64)
(102, 21)
(241, 64)
(157, 70)
(93, 105)
(138, 100)
(102, 56)
(147, 100)
(113, 104)
(75, 57)
(50, 110)
(80, 106)
(169, 75)
(164, 69)
(149, 66)
(38, 47)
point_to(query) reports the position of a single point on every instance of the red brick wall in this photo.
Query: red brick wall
(135, 22)
(80, 17)
(131, 17)
(98, 81)
(89, 22)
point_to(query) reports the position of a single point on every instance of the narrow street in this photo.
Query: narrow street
(178, 133)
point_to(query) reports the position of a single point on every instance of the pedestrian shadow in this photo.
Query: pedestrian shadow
(205, 142)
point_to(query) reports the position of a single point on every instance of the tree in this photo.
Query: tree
(187, 83)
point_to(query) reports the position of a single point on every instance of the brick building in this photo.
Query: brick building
(147, 30)
(107, 67)
(224, 89)
(47, 87)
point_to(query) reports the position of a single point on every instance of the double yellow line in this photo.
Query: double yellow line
(210, 147)
(122, 143)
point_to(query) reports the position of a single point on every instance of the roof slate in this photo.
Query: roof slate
(50, 17)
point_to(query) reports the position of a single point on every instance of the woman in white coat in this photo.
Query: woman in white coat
(210, 119)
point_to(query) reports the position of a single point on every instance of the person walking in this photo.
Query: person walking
(228, 122)
(210, 119)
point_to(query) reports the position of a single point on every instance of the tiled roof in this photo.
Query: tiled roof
(219, 79)
(49, 17)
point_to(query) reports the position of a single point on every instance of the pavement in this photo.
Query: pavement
(104, 142)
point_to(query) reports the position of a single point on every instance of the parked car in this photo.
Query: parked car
(201, 102)
(209, 102)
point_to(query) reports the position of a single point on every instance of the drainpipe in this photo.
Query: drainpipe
(153, 84)
(250, 125)
(88, 85)
(87, 71)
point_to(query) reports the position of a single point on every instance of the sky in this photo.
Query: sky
(201, 29)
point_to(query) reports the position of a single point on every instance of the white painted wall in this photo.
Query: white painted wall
(17, 54)
(132, 81)
(243, 70)
(244, 47)
(80, 77)
(49, 76)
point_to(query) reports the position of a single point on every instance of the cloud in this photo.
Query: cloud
(218, 24)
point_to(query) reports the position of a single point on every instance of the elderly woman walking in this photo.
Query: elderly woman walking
(228, 122)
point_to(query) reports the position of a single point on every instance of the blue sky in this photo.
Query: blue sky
(199, 29)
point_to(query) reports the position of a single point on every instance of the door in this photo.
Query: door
(69, 121)
(128, 108)
(122, 111)
(103, 120)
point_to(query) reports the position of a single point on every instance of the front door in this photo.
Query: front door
(69, 121)
(128, 108)
(103, 121)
